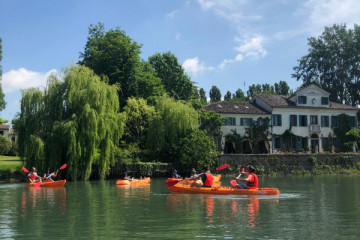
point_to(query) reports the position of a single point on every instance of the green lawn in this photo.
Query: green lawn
(10, 163)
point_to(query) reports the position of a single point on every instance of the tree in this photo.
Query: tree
(227, 96)
(139, 115)
(75, 120)
(197, 149)
(239, 94)
(202, 96)
(215, 94)
(353, 136)
(115, 55)
(5, 145)
(254, 89)
(173, 121)
(211, 123)
(177, 84)
(333, 60)
(257, 132)
(2, 95)
(282, 88)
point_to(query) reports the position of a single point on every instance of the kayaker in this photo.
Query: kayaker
(126, 176)
(193, 172)
(251, 179)
(206, 178)
(175, 174)
(49, 175)
(33, 176)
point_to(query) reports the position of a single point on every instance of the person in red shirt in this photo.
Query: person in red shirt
(251, 179)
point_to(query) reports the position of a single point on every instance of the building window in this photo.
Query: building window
(13, 139)
(334, 121)
(324, 100)
(263, 121)
(293, 120)
(353, 121)
(245, 121)
(2, 133)
(277, 142)
(230, 121)
(302, 120)
(325, 122)
(313, 119)
(276, 120)
(302, 99)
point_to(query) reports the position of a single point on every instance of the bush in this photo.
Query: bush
(5, 145)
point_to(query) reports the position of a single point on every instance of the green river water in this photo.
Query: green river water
(312, 207)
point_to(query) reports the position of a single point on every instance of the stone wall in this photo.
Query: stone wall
(293, 163)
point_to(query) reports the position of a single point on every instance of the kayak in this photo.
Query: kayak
(133, 181)
(49, 184)
(172, 181)
(181, 188)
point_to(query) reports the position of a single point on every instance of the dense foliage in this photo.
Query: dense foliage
(215, 94)
(75, 120)
(5, 145)
(333, 62)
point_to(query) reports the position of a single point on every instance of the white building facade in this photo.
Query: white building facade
(308, 114)
(8, 132)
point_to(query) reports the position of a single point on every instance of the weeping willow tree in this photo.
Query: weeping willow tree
(172, 122)
(74, 121)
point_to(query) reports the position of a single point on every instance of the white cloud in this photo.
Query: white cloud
(322, 13)
(177, 36)
(249, 48)
(172, 14)
(14, 80)
(195, 67)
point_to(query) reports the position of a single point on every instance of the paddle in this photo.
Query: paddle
(37, 184)
(222, 167)
(63, 167)
(25, 170)
(233, 182)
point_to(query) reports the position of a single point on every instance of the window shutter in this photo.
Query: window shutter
(279, 117)
(241, 122)
(234, 121)
(306, 121)
(322, 121)
(280, 137)
(273, 120)
(251, 121)
(266, 122)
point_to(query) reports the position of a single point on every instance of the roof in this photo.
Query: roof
(235, 107)
(280, 101)
(4, 127)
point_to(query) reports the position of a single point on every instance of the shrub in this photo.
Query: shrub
(5, 145)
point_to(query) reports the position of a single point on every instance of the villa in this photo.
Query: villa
(8, 132)
(308, 113)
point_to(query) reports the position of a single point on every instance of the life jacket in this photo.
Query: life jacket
(209, 180)
(32, 176)
(254, 184)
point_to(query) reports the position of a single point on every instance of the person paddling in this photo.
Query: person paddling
(49, 175)
(175, 174)
(206, 178)
(251, 179)
(125, 177)
(33, 176)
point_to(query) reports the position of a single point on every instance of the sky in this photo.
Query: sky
(227, 43)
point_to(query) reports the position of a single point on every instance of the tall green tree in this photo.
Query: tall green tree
(2, 95)
(173, 121)
(254, 89)
(215, 94)
(333, 60)
(139, 115)
(115, 55)
(76, 120)
(227, 96)
(282, 88)
(202, 96)
(177, 84)
(211, 123)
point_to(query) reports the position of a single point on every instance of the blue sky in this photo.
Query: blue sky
(225, 43)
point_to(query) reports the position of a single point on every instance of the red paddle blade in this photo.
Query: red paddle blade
(25, 170)
(63, 166)
(233, 183)
(37, 184)
(222, 167)
(172, 182)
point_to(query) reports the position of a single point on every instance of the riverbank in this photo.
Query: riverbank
(294, 164)
(10, 169)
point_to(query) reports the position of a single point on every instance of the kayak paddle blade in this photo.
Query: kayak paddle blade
(170, 183)
(36, 185)
(233, 183)
(25, 170)
(222, 167)
(63, 166)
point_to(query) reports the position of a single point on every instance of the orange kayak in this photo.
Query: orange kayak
(181, 188)
(133, 181)
(50, 184)
(173, 181)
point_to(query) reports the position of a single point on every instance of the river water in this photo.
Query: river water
(312, 207)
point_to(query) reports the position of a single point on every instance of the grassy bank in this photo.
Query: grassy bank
(10, 168)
